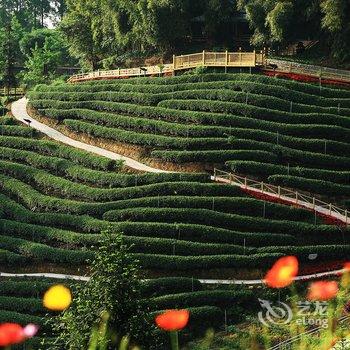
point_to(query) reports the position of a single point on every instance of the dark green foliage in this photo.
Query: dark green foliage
(114, 288)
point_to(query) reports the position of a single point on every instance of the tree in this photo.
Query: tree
(80, 29)
(45, 50)
(10, 55)
(336, 20)
(114, 287)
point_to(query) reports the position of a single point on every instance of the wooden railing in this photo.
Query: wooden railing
(310, 70)
(205, 59)
(219, 59)
(284, 194)
(122, 73)
(12, 92)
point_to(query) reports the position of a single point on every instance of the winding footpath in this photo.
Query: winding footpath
(19, 111)
(204, 281)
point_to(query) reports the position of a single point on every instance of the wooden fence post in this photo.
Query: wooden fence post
(226, 61)
(330, 208)
(203, 58)
(245, 182)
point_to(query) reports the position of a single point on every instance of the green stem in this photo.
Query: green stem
(174, 340)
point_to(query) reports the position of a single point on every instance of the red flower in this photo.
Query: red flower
(323, 290)
(347, 267)
(283, 272)
(11, 333)
(173, 320)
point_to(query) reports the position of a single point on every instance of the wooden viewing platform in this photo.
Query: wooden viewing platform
(202, 59)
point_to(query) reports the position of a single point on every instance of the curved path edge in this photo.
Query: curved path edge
(19, 111)
(204, 281)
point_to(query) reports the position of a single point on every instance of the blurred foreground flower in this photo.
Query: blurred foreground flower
(30, 330)
(173, 321)
(13, 333)
(283, 272)
(323, 290)
(57, 298)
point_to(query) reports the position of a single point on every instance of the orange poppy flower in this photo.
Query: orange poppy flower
(11, 333)
(283, 272)
(323, 290)
(173, 320)
(347, 267)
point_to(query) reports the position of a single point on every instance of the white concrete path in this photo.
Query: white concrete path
(19, 111)
(204, 281)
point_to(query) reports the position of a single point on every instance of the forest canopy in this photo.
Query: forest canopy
(96, 34)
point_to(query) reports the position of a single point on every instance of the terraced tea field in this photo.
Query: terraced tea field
(286, 133)
(55, 200)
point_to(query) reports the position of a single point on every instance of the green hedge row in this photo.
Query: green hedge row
(215, 77)
(220, 298)
(213, 156)
(143, 125)
(11, 258)
(21, 318)
(139, 124)
(264, 101)
(264, 169)
(138, 244)
(223, 220)
(146, 98)
(237, 83)
(169, 285)
(274, 141)
(70, 189)
(187, 263)
(31, 288)
(99, 178)
(291, 155)
(255, 112)
(13, 130)
(23, 305)
(194, 117)
(176, 129)
(42, 252)
(325, 188)
(180, 231)
(325, 253)
(7, 121)
(242, 206)
(58, 150)
(143, 139)
(139, 98)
